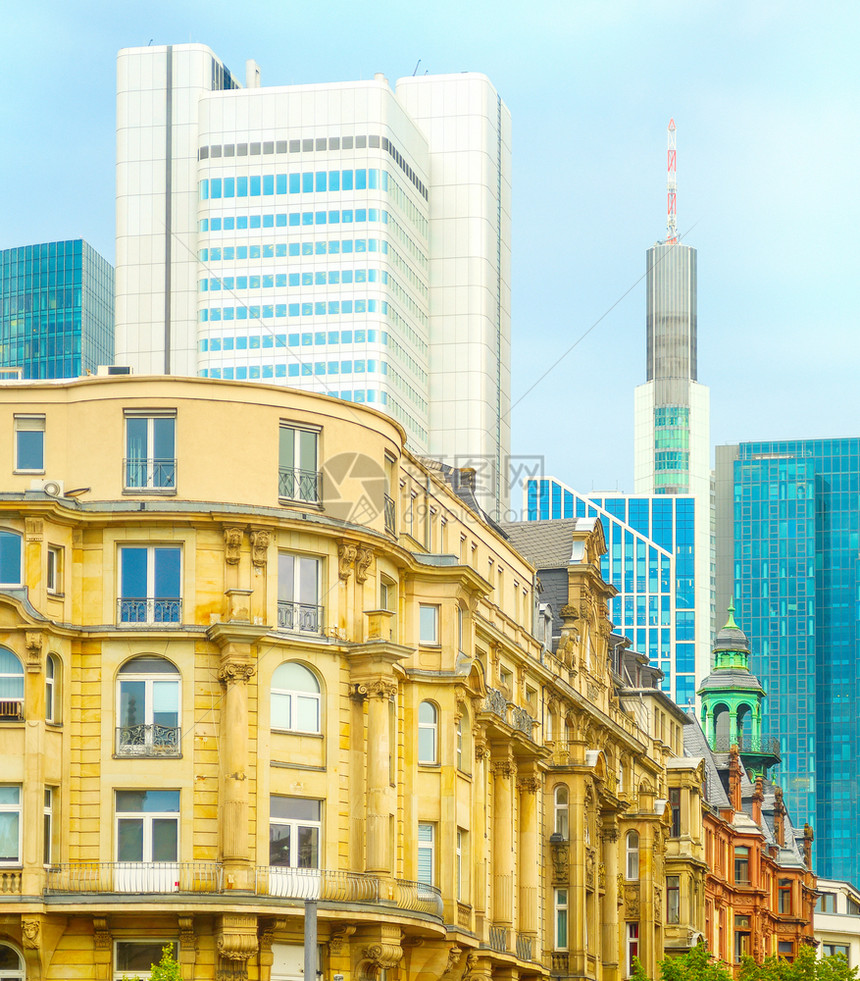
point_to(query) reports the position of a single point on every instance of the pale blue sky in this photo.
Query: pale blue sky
(765, 97)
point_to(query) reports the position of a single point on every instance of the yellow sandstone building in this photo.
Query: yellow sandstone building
(253, 653)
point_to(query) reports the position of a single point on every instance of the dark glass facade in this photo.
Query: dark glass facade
(56, 309)
(796, 576)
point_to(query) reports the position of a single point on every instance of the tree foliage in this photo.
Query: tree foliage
(700, 965)
(167, 969)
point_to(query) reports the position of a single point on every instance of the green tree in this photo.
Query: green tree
(167, 969)
(805, 967)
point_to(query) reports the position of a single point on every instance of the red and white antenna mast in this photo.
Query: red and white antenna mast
(671, 187)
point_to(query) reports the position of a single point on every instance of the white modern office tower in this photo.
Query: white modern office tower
(672, 453)
(346, 238)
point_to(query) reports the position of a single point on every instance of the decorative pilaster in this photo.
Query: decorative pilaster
(609, 913)
(529, 857)
(102, 948)
(504, 773)
(236, 942)
(379, 694)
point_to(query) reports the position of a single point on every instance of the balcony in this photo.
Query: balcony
(151, 475)
(11, 710)
(299, 485)
(559, 964)
(498, 939)
(147, 878)
(512, 715)
(389, 514)
(525, 947)
(303, 618)
(131, 610)
(152, 740)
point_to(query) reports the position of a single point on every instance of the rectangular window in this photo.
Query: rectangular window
(784, 896)
(826, 903)
(54, 577)
(785, 948)
(632, 947)
(149, 584)
(147, 841)
(150, 462)
(560, 903)
(10, 825)
(48, 827)
(673, 899)
(675, 807)
(742, 937)
(30, 444)
(461, 843)
(834, 950)
(428, 624)
(427, 853)
(295, 827)
(742, 865)
(298, 477)
(135, 958)
(299, 606)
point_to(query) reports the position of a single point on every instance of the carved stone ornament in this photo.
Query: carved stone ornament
(479, 738)
(454, 955)
(101, 933)
(385, 956)
(529, 784)
(260, 547)
(187, 936)
(337, 940)
(601, 876)
(363, 561)
(631, 900)
(30, 933)
(232, 545)
(33, 643)
(345, 558)
(232, 672)
(34, 528)
(504, 768)
(385, 688)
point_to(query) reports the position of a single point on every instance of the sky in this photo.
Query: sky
(765, 99)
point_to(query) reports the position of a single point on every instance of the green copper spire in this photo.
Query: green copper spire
(731, 620)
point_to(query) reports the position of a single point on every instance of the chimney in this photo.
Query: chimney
(735, 779)
(252, 74)
(467, 477)
(757, 798)
(779, 817)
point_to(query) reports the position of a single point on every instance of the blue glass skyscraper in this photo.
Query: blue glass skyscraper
(56, 309)
(788, 549)
(650, 559)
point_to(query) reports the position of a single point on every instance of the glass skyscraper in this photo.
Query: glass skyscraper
(56, 309)
(650, 560)
(788, 521)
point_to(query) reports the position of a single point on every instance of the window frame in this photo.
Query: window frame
(16, 583)
(54, 570)
(296, 824)
(631, 856)
(307, 482)
(160, 472)
(784, 896)
(673, 899)
(48, 827)
(430, 608)
(295, 695)
(741, 860)
(431, 727)
(19, 974)
(122, 975)
(25, 418)
(150, 601)
(561, 811)
(426, 845)
(171, 740)
(314, 613)
(561, 918)
(631, 942)
(147, 818)
(675, 812)
(53, 688)
(16, 808)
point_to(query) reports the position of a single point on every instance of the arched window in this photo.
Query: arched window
(148, 700)
(11, 685)
(427, 732)
(11, 968)
(632, 855)
(721, 728)
(745, 727)
(295, 698)
(10, 558)
(463, 741)
(562, 811)
(53, 672)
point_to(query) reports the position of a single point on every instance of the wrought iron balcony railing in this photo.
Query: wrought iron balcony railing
(153, 878)
(747, 744)
(152, 740)
(304, 618)
(389, 514)
(498, 938)
(299, 485)
(525, 947)
(151, 474)
(11, 709)
(148, 610)
(496, 703)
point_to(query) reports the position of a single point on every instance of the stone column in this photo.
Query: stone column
(504, 772)
(609, 913)
(33, 793)
(479, 837)
(529, 857)
(379, 692)
(236, 668)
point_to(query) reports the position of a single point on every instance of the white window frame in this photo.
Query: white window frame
(54, 570)
(561, 819)
(150, 744)
(458, 857)
(631, 938)
(18, 974)
(48, 828)
(295, 824)
(631, 849)
(147, 818)
(431, 637)
(15, 808)
(426, 844)
(561, 919)
(314, 620)
(673, 887)
(52, 688)
(29, 423)
(150, 599)
(294, 696)
(459, 742)
(306, 488)
(11, 532)
(431, 727)
(157, 480)
(9, 702)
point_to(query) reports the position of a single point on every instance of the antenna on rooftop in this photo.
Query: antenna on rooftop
(417, 63)
(671, 187)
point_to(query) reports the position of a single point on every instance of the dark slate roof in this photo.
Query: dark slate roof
(695, 744)
(731, 638)
(546, 544)
(461, 482)
(730, 678)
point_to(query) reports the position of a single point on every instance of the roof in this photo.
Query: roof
(730, 678)
(546, 544)
(695, 744)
